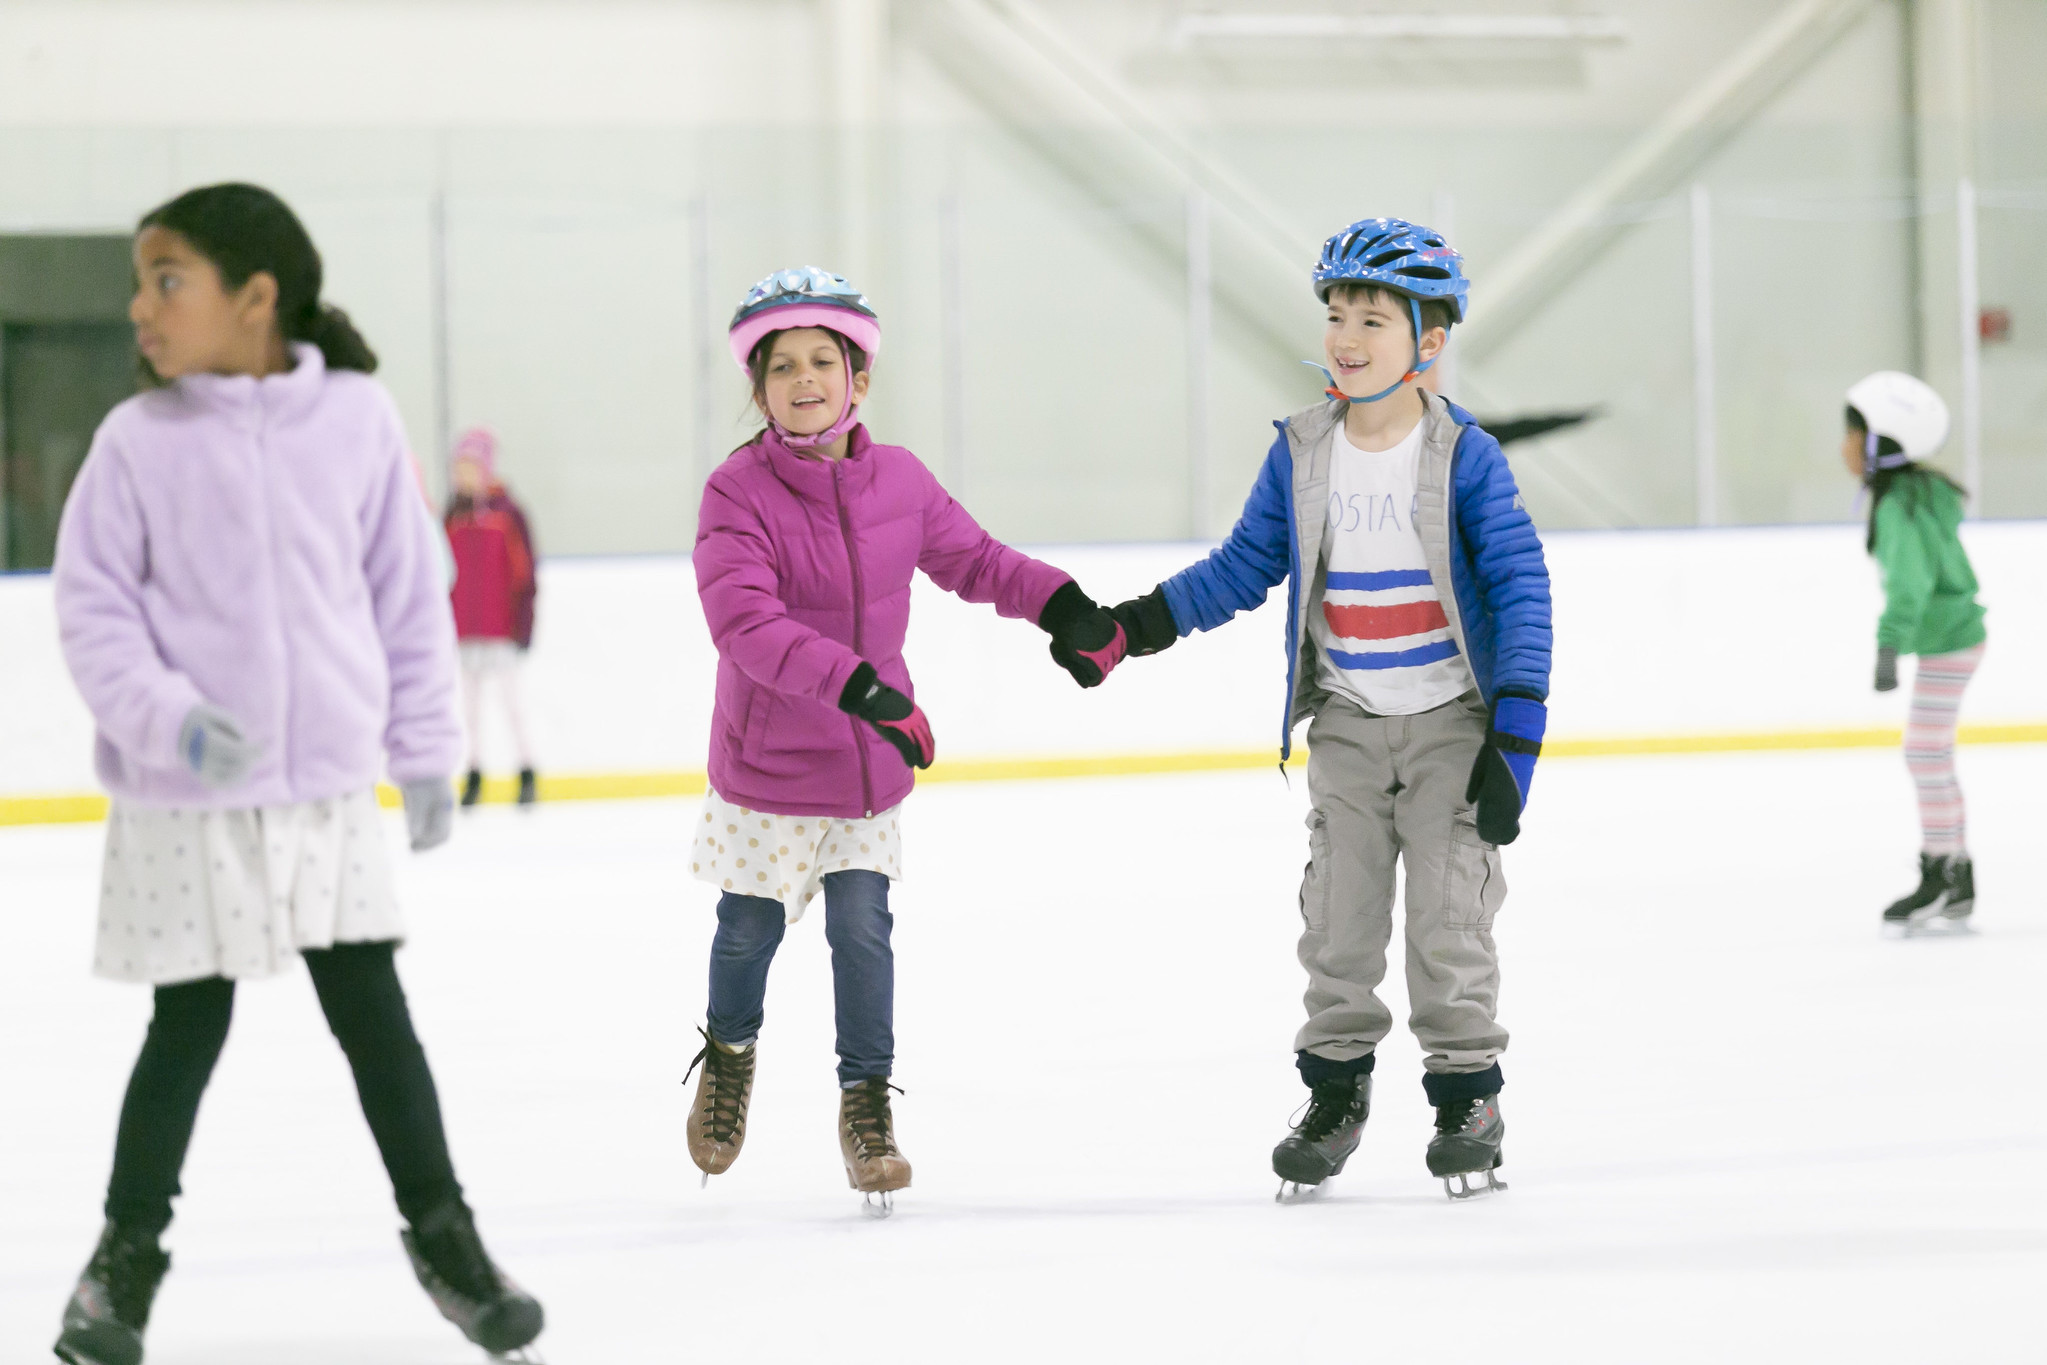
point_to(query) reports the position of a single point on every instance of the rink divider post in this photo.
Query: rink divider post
(86, 808)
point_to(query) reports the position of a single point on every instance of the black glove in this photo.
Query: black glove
(1147, 623)
(1506, 766)
(1086, 640)
(1886, 669)
(894, 716)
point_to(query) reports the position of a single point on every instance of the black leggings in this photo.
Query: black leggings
(365, 1007)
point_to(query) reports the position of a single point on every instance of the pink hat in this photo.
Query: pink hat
(479, 447)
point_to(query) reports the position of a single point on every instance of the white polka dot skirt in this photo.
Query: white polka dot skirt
(785, 857)
(186, 894)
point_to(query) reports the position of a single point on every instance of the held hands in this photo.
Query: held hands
(899, 720)
(214, 747)
(1886, 669)
(1505, 767)
(1147, 623)
(429, 812)
(1087, 640)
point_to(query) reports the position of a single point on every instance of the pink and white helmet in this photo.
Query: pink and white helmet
(806, 297)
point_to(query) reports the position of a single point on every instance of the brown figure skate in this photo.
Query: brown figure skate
(875, 1166)
(717, 1118)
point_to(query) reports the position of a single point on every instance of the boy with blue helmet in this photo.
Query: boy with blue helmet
(1418, 645)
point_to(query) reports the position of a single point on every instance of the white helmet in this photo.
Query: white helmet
(1903, 408)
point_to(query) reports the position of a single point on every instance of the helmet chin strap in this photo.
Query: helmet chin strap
(1414, 311)
(849, 413)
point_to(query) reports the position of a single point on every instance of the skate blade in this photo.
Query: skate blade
(525, 1355)
(1464, 1189)
(1293, 1192)
(878, 1205)
(1461, 1186)
(71, 1356)
(1933, 926)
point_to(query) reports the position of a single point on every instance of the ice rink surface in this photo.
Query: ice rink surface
(1741, 1125)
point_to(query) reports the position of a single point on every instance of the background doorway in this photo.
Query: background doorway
(57, 381)
(67, 356)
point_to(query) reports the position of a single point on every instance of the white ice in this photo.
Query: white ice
(1742, 1126)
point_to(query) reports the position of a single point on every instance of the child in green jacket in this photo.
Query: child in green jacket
(1930, 609)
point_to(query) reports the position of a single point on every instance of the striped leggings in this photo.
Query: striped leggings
(1930, 746)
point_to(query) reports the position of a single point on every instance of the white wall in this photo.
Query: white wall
(571, 140)
(1658, 633)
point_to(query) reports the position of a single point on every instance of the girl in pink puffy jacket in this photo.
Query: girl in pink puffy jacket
(806, 544)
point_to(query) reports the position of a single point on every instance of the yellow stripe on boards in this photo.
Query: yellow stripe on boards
(69, 809)
(1769, 740)
(52, 810)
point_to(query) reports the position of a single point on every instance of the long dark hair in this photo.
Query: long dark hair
(1912, 480)
(245, 229)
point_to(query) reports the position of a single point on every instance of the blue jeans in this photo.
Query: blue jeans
(857, 924)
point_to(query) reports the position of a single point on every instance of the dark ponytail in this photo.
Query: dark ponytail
(245, 230)
(1911, 479)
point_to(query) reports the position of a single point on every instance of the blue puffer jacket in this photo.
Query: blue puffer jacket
(1482, 539)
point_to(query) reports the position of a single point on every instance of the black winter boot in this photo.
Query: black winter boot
(1327, 1134)
(471, 1292)
(104, 1321)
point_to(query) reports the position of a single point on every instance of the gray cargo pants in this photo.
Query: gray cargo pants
(1387, 787)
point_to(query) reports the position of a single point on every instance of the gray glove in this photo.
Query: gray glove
(429, 812)
(213, 746)
(1886, 669)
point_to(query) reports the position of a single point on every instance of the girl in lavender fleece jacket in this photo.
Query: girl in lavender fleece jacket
(806, 544)
(251, 600)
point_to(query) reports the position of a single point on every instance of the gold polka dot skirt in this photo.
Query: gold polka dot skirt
(785, 857)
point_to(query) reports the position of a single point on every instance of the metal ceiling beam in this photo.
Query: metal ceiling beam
(1108, 140)
(1542, 28)
(1664, 156)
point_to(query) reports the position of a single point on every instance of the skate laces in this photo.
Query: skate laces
(449, 1242)
(1329, 1105)
(868, 1117)
(1460, 1115)
(131, 1272)
(729, 1074)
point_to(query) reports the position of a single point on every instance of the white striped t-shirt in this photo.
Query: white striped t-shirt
(1381, 637)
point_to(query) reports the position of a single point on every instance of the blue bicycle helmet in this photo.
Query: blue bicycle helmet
(1403, 258)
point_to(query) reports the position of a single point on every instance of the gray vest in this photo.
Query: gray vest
(1311, 436)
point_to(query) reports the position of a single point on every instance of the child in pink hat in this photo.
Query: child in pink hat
(495, 585)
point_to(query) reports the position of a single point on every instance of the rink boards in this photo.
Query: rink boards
(1668, 642)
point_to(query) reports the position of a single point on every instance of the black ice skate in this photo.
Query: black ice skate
(529, 787)
(1942, 902)
(471, 1292)
(1325, 1137)
(104, 1321)
(472, 788)
(1466, 1146)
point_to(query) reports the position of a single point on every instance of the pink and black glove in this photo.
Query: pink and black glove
(899, 720)
(1087, 641)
